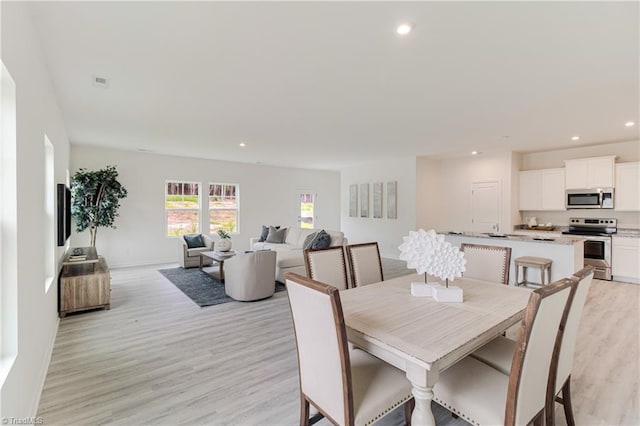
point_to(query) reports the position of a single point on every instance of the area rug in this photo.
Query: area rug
(201, 287)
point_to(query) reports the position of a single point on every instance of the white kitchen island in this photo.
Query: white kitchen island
(567, 253)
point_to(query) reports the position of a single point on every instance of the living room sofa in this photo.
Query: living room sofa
(290, 254)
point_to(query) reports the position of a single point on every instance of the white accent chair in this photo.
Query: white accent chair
(327, 266)
(190, 257)
(347, 387)
(365, 264)
(487, 263)
(482, 395)
(499, 352)
(249, 276)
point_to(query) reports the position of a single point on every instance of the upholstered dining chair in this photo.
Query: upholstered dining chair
(328, 266)
(499, 353)
(347, 387)
(487, 263)
(364, 263)
(483, 395)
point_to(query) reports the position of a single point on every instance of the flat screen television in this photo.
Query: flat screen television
(64, 213)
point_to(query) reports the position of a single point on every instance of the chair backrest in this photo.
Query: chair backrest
(488, 263)
(321, 341)
(327, 266)
(583, 279)
(544, 316)
(364, 263)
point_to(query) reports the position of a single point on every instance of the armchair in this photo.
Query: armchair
(190, 257)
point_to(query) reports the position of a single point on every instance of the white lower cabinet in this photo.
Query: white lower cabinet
(625, 259)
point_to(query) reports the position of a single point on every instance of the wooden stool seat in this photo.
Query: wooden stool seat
(541, 263)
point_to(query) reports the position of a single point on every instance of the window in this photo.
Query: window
(223, 207)
(182, 204)
(8, 225)
(50, 242)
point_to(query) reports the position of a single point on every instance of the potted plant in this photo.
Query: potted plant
(224, 244)
(95, 199)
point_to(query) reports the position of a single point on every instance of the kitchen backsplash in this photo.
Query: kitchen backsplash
(625, 219)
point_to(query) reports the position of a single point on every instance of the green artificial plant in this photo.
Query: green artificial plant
(95, 199)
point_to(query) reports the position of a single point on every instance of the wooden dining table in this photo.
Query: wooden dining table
(424, 337)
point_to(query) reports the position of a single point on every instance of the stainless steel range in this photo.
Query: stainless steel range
(597, 245)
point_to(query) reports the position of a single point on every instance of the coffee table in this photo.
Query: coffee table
(218, 256)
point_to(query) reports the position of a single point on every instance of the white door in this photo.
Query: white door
(485, 206)
(306, 202)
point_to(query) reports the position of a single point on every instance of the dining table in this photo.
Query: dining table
(423, 337)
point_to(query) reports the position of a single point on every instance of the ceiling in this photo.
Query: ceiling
(329, 85)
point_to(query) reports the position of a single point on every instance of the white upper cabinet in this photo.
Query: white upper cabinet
(553, 181)
(627, 196)
(542, 189)
(587, 173)
(531, 190)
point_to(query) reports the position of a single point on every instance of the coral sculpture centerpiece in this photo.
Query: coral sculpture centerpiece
(428, 253)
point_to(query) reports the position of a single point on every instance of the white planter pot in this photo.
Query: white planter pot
(224, 244)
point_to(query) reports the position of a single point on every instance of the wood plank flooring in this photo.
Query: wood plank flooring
(158, 358)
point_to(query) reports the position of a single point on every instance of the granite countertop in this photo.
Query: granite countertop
(628, 233)
(564, 240)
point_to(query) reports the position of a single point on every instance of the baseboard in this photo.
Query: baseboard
(42, 374)
(628, 280)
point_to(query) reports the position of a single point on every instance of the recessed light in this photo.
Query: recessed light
(630, 124)
(475, 152)
(242, 144)
(404, 29)
(575, 138)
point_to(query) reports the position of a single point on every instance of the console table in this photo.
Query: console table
(84, 284)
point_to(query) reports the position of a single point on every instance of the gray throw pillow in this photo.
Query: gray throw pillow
(194, 241)
(265, 233)
(276, 236)
(322, 240)
(309, 240)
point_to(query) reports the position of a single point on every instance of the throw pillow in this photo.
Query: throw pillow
(194, 241)
(322, 240)
(265, 233)
(309, 240)
(276, 236)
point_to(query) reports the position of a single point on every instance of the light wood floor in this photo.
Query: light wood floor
(158, 358)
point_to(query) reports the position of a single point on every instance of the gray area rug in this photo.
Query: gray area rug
(201, 287)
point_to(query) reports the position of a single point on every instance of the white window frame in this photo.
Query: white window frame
(49, 234)
(237, 209)
(198, 209)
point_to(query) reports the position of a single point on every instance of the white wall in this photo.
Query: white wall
(428, 192)
(387, 232)
(456, 178)
(37, 114)
(625, 152)
(267, 197)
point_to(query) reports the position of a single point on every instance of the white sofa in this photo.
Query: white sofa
(289, 254)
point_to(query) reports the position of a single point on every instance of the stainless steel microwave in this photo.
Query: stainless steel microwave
(601, 198)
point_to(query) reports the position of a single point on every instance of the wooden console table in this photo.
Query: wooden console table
(84, 284)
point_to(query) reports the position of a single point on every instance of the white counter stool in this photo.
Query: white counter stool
(541, 263)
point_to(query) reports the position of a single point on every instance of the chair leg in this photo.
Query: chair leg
(304, 411)
(566, 402)
(538, 420)
(408, 411)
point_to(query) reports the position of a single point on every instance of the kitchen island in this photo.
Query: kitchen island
(567, 253)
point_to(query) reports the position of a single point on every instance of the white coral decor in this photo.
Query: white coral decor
(428, 252)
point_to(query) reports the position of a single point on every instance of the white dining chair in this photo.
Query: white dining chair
(364, 263)
(347, 387)
(487, 263)
(483, 395)
(328, 266)
(499, 353)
